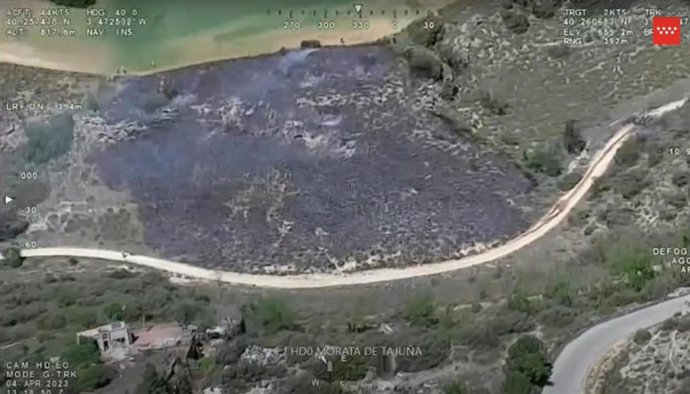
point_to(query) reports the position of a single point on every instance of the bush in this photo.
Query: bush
(680, 178)
(420, 310)
(85, 352)
(482, 338)
(634, 264)
(114, 311)
(558, 316)
(66, 296)
(569, 180)
(49, 141)
(519, 302)
(489, 102)
(655, 155)
(457, 386)
(630, 183)
(642, 336)
(91, 378)
(572, 138)
(527, 357)
(185, 314)
(13, 257)
(515, 21)
(52, 321)
(561, 292)
(517, 383)
(84, 357)
(423, 63)
(434, 351)
(629, 153)
(273, 314)
(84, 317)
(545, 159)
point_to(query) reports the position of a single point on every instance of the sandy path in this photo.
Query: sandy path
(598, 166)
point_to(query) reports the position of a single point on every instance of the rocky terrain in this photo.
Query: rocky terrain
(654, 361)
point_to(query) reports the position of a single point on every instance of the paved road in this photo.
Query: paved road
(598, 166)
(582, 354)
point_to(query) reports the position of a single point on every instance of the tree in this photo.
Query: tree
(572, 138)
(114, 311)
(185, 314)
(85, 352)
(13, 257)
(84, 357)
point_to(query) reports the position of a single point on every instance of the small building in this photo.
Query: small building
(109, 337)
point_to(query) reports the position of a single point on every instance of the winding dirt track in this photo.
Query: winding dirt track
(598, 165)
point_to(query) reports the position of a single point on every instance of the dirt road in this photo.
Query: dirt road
(597, 167)
(582, 354)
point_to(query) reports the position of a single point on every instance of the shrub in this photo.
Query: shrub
(527, 357)
(519, 302)
(185, 314)
(629, 153)
(515, 21)
(680, 178)
(114, 311)
(569, 180)
(457, 386)
(630, 183)
(634, 264)
(642, 336)
(489, 102)
(84, 356)
(423, 63)
(66, 296)
(420, 310)
(572, 138)
(52, 321)
(655, 155)
(85, 352)
(482, 338)
(273, 314)
(545, 159)
(13, 257)
(561, 292)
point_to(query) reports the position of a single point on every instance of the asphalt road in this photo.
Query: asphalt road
(598, 165)
(582, 354)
